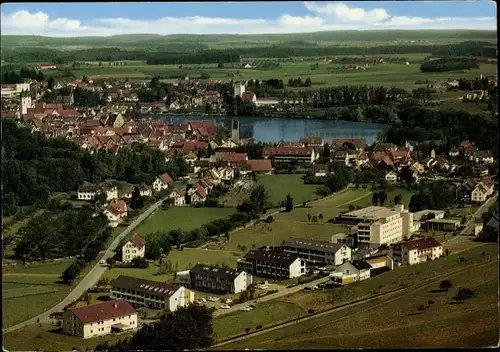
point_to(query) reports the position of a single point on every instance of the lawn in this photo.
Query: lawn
(278, 186)
(185, 218)
(403, 327)
(235, 323)
(323, 299)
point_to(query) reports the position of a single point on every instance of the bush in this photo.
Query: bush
(270, 219)
(310, 311)
(140, 263)
(247, 330)
(258, 327)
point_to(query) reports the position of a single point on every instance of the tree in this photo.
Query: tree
(382, 196)
(320, 217)
(375, 198)
(445, 285)
(314, 218)
(308, 217)
(289, 203)
(406, 175)
(136, 201)
(463, 294)
(188, 328)
(398, 198)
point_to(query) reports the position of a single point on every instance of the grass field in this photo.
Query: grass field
(402, 327)
(185, 218)
(387, 74)
(278, 186)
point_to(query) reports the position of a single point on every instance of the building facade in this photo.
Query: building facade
(317, 252)
(149, 293)
(100, 319)
(134, 248)
(274, 265)
(217, 279)
(417, 251)
(350, 272)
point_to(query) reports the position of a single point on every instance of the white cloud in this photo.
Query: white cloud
(322, 16)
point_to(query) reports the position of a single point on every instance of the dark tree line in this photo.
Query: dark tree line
(34, 166)
(64, 232)
(433, 195)
(449, 64)
(203, 57)
(13, 77)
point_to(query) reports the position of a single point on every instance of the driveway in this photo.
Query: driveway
(91, 278)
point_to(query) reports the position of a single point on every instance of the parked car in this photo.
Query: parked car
(228, 301)
(224, 306)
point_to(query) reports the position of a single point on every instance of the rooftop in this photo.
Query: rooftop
(103, 311)
(371, 213)
(146, 286)
(211, 270)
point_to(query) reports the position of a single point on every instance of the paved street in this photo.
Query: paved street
(91, 278)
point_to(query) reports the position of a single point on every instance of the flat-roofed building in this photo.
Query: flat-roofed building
(442, 224)
(100, 319)
(220, 280)
(149, 293)
(316, 252)
(272, 264)
(380, 225)
(423, 214)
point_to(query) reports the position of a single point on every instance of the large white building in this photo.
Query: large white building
(417, 251)
(317, 252)
(380, 225)
(134, 248)
(100, 319)
(239, 89)
(89, 191)
(274, 265)
(220, 280)
(12, 90)
(153, 294)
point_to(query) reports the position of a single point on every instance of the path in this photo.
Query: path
(398, 293)
(91, 278)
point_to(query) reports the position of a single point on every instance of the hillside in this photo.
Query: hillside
(324, 38)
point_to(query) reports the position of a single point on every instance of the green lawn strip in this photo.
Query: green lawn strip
(185, 218)
(236, 323)
(28, 290)
(50, 338)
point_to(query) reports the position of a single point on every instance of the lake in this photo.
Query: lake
(266, 129)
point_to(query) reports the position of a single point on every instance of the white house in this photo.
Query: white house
(210, 278)
(153, 294)
(391, 177)
(100, 319)
(162, 182)
(198, 194)
(89, 191)
(226, 173)
(479, 194)
(116, 212)
(350, 272)
(178, 197)
(133, 248)
(417, 251)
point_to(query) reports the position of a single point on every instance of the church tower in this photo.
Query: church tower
(235, 131)
(25, 102)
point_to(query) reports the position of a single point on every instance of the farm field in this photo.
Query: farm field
(185, 218)
(278, 186)
(387, 74)
(475, 318)
(29, 291)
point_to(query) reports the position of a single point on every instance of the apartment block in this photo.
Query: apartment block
(380, 225)
(315, 252)
(417, 251)
(272, 264)
(149, 293)
(215, 279)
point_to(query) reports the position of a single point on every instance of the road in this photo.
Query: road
(91, 278)
(469, 227)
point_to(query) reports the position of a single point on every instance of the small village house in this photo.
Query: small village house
(162, 182)
(417, 251)
(133, 248)
(350, 272)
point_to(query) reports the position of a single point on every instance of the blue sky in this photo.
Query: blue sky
(81, 19)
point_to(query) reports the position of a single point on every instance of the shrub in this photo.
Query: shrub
(258, 327)
(270, 219)
(310, 311)
(420, 308)
(445, 285)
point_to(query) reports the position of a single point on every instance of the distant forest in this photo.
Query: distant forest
(191, 53)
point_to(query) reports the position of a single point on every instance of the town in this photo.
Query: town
(139, 213)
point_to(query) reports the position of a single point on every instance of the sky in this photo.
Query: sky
(104, 19)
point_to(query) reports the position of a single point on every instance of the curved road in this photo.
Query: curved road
(91, 278)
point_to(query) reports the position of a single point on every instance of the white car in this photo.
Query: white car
(228, 301)
(203, 300)
(224, 306)
(245, 309)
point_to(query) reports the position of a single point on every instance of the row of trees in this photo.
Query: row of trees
(64, 232)
(433, 195)
(202, 57)
(449, 64)
(12, 77)
(34, 166)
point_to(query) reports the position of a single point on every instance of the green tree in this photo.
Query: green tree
(289, 203)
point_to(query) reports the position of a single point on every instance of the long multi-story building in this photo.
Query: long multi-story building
(209, 278)
(380, 225)
(272, 264)
(317, 252)
(287, 154)
(153, 294)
